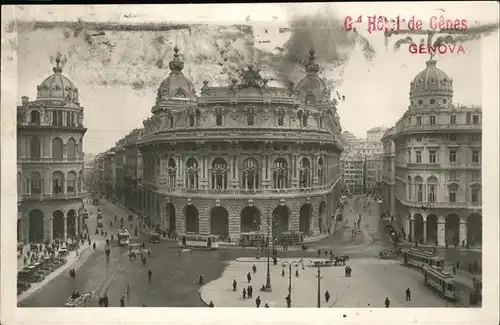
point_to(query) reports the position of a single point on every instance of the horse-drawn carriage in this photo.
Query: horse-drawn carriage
(389, 254)
(340, 260)
(79, 300)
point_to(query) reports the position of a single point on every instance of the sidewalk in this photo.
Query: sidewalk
(73, 261)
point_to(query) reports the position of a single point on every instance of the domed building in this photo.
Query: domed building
(50, 189)
(241, 158)
(437, 175)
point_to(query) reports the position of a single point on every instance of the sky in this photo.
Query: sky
(376, 90)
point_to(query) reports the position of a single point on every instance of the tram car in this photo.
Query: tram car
(198, 241)
(123, 237)
(78, 300)
(290, 238)
(420, 258)
(442, 282)
(252, 239)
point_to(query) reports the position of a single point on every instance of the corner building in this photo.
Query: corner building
(438, 164)
(50, 161)
(241, 158)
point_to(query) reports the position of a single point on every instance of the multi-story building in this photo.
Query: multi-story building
(119, 179)
(50, 135)
(241, 158)
(438, 163)
(109, 171)
(373, 175)
(132, 198)
(388, 173)
(353, 171)
(375, 134)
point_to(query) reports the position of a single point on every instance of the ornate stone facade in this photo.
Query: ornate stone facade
(438, 164)
(242, 157)
(50, 161)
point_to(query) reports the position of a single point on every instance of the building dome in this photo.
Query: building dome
(176, 84)
(431, 82)
(57, 86)
(312, 84)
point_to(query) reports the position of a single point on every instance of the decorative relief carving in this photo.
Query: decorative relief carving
(217, 203)
(189, 202)
(282, 202)
(250, 203)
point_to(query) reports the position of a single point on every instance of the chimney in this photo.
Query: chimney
(25, 100)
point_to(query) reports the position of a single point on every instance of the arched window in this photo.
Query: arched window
(320, 172)
(71, 182)
(303, 116)
(35, 148)
(452, 193)
(475, 193)
(57, 149)
(71, 149)
(281, 120)
(171, 171)
(192, 173)
(79, 149)
(191, 120)
(57, 183)
(250, 119)
(219, 174)
(432, 189)
(305, 173)
(35, 117)
(250, 174)
(280, 173)
(35, 183)
(171, 121)
(79, 181)
(19, 184)
(57, 118)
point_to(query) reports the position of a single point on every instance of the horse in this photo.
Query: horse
(341, 260)
(132, 255)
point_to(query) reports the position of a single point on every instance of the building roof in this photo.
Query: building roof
(377, 128)
(57, 86)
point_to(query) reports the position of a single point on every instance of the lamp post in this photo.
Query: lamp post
(319, 286)
(289, 264)
(268, 277)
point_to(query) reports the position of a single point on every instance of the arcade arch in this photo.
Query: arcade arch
(58, 224)
(305, 218)
(250, 219)
(281, 216)
(219, 222)
(35, 226)
(192, 220)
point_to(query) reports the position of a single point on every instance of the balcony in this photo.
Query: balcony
(259, 193)
(439, 127)
(423, 165)
(443, 205)
(49, 160)
(45, 197)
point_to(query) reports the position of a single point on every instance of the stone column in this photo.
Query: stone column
(412, 228)
(65, 233)
(441, 232)
(462, 233)
(47, 229)
(231, 168)
(263, 171)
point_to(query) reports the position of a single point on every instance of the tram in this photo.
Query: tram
(188, 240)
(290, 238)
(123, 237)
(442, 282)
(420, 258)
(253, 238)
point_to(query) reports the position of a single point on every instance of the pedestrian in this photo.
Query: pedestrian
(249, 292)
(122, 302)
(283, 273)
(249, 277)
(93, 245)
(408, 294)
(244, 293)
(144, 304)
(201, 280)
(454, 270)
(150, 274)
(297, 273)
(235, 285)
(387, 302)
(254, 268)
(101, 301)
(266, 305)
(257, 301)
(327, 296)
(105, 300)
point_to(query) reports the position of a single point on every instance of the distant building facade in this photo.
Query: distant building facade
(388, 173)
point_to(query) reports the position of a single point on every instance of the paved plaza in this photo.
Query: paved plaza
(372, 280)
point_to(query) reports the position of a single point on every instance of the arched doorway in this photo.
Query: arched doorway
(280, 219)
(322, 221)
(475, 230)
(250, 219)
(418, 223)
(219, 222)
(305, 218)
(71, 223)
(192, 222)
(452, 229)
(35, 226)
(431, 224)
(58, 224)
(170, 217)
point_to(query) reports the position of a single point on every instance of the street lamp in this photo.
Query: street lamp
(319, 286)
(289, 265)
